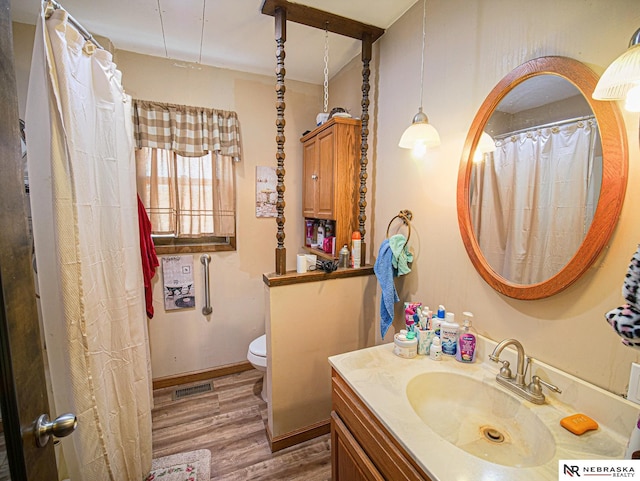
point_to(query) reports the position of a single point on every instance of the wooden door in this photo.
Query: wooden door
(349, 462)
(23, 394)
(310, 178)
(326, 182)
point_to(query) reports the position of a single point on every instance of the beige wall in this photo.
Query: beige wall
(470, 47)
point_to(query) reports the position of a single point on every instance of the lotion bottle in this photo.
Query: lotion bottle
(435, 350)
(449, 335)
(467, 340)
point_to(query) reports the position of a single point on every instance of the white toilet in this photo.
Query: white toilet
(257, 356)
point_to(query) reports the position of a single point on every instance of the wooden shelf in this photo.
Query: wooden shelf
(292, 277)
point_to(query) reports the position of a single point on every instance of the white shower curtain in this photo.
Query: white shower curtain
(532, 200)
(82, 179)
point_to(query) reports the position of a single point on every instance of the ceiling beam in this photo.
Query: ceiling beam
(312, 17)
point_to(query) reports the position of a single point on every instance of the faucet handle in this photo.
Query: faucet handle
(505, 370)
(535, 386)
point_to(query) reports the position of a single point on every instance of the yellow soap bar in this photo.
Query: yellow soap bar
(578, 423)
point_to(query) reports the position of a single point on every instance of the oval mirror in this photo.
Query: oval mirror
(542, 178)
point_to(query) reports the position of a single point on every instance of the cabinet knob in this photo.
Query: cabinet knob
(314, 177)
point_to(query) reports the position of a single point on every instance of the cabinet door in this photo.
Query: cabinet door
(349, 462)
(310, 176)
(326, 183)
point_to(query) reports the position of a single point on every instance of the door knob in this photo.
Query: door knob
(314, 177)
(60, 427)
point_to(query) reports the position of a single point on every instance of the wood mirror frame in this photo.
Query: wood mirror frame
(614, 177)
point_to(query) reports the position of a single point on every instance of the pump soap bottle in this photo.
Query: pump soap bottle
(467, 340)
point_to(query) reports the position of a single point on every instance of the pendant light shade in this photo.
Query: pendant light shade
(485, 145)
(420, 132)
(621, 80)
(420, 135)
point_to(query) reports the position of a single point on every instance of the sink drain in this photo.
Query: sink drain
(492, 434)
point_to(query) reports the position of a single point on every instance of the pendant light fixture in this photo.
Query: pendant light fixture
(621, 80)
(420, 135)
(486, 144)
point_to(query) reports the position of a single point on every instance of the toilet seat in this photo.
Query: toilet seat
(259, 346)
(257, 354)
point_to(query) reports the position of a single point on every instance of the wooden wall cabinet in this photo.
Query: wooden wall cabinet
(361, 447)
(330, 172)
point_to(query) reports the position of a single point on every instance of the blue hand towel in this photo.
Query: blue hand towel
(385, 273)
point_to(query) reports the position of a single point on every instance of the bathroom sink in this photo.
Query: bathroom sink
(481, 419)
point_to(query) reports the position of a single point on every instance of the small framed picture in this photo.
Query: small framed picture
(266, 195)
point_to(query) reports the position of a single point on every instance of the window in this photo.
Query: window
(189, 200)
(185, 175)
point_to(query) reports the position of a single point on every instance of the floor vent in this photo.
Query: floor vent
(192, 391)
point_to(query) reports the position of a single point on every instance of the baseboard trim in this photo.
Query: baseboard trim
(299, 436)
(203, 375)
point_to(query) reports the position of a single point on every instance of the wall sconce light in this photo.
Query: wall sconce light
(621, 80)
(420, 135)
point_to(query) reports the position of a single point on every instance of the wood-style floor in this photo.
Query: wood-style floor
(230, 421)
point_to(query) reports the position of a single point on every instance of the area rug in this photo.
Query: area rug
(191, 466)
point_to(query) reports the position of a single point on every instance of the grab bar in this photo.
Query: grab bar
(206, 309)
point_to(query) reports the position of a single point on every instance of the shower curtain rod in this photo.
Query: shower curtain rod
(544, 126)
(53, 5)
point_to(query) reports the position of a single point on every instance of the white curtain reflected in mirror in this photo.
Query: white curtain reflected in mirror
(532, 200)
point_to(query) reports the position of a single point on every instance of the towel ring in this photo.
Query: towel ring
(405, 216)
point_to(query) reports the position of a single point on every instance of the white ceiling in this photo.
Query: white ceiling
(234, 34)
(537, 91)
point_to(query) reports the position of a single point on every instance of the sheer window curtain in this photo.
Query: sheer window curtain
(82, 178)
(185, 158)
(532, 200)
(187, 196)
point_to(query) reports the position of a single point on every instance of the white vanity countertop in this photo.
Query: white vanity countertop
(380, 379)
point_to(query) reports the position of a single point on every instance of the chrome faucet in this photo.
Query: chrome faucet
(531, 392)
(495, 357)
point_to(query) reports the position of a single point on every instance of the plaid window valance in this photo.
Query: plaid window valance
(187, 131)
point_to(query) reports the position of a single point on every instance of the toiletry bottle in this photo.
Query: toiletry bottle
(356, 242)
(320, 235)
(439, 319)
(328, 229)
(309, 239)
(344, 257)
(449, 334)
(467, 340)
(435, 350)
(633, 446)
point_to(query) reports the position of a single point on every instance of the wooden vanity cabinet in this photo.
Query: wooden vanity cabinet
(330, 172)
(361, 447)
